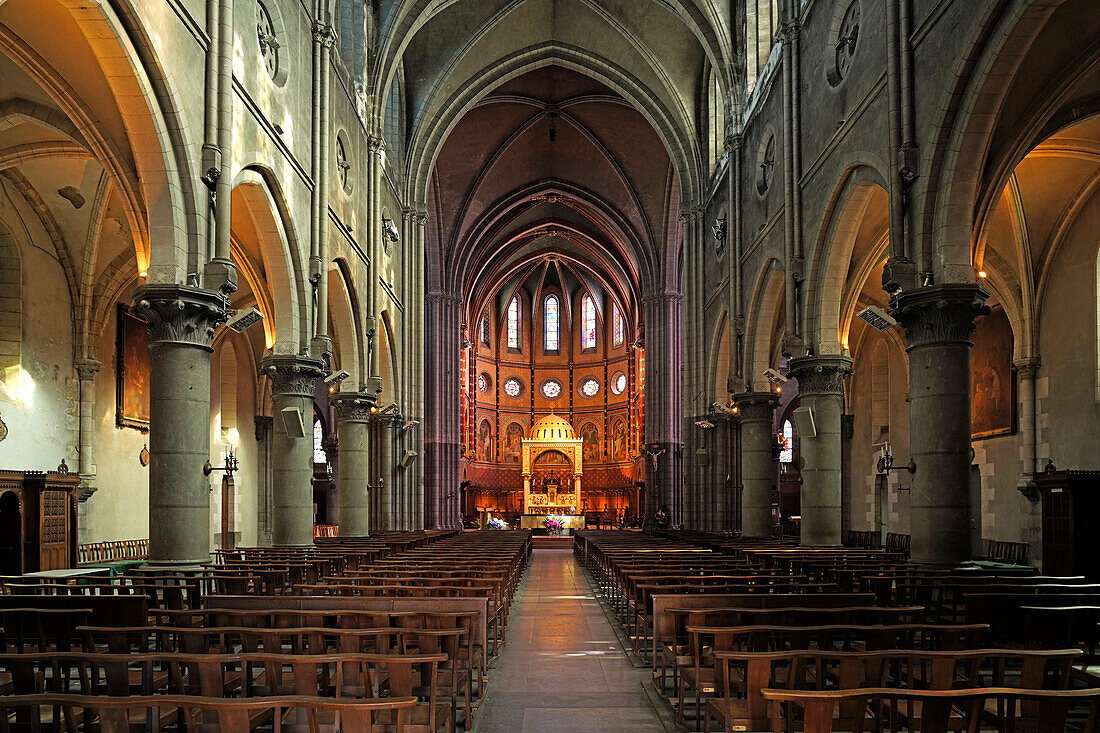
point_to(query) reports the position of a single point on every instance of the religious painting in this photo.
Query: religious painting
(590, 437)
(513, 443)
(485, 441)
(132, 372)
(991, 380)
(620, 449)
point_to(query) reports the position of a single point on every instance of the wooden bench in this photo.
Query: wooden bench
(122, 714)
(740, 677)
(940, 710)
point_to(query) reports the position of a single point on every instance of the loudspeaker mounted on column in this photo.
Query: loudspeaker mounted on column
(804, 419)
(293, 424)
(409, 457)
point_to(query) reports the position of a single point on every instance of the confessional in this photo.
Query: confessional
(38, 528)
(1071, 503)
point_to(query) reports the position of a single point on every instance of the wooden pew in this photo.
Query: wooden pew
(941, 710)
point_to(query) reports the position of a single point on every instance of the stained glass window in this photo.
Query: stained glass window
(551, 323)
(618, 383)
(484, 335)
(786, 455)
(590, 387)
(483, 382)
(588, 319)
(513, 324)
(551, 388)
(512, 387)
(319, 455)
(619, 328)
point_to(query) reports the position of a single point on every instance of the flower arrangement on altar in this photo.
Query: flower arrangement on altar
(553, 524)
(496, 523)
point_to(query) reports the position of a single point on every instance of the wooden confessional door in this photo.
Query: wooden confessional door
(55, 530)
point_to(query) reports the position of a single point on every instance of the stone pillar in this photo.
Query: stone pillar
(86, 370)
(664, 407)
(293, 382)
(758, 471)
(442, 437)
(353, 479)
(938, 322)
(181, 322)
(820, 389)
(387, 485)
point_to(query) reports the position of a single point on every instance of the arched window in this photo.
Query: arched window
(319, 455)
(716, 119)
(787, 454)
(483, 336)
(588, 320)
(761, 21)
(513, 324)
(550, 323)
(618, 335)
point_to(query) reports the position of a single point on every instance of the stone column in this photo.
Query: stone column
(353, 478)
(181, 322)
(86, 370)
(293, 382)
(387, 485)
(820, 388)
(938, 322)
(442, 437)
(758, 472)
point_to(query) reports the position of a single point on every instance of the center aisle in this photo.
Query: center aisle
(563, 668)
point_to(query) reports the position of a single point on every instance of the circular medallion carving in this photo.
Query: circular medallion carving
(269, 35)
(765, 162)
(845, 39)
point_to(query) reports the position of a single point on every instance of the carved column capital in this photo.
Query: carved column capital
(180, 314)
(756, 406)
(1027, 368)
(375, 143)
(820, 375)
(939, 315)
(353, 406)
(292, 375)
(324, 33)
(86, 369)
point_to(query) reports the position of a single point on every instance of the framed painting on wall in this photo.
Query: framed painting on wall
(132, 372)
(992, 383)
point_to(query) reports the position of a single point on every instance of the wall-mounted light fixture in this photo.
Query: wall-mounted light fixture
(232, 440)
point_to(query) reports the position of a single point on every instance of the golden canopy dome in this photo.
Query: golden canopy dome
(552, 427)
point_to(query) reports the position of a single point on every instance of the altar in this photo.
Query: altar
(537, 521)
(552, 468)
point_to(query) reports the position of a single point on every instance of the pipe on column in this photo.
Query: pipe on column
(323, 38)
(893, 90)
(211, 152)
(789, 182)
(224, 137)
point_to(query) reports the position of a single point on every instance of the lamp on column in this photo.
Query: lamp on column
(886, 464)
(232, 440)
